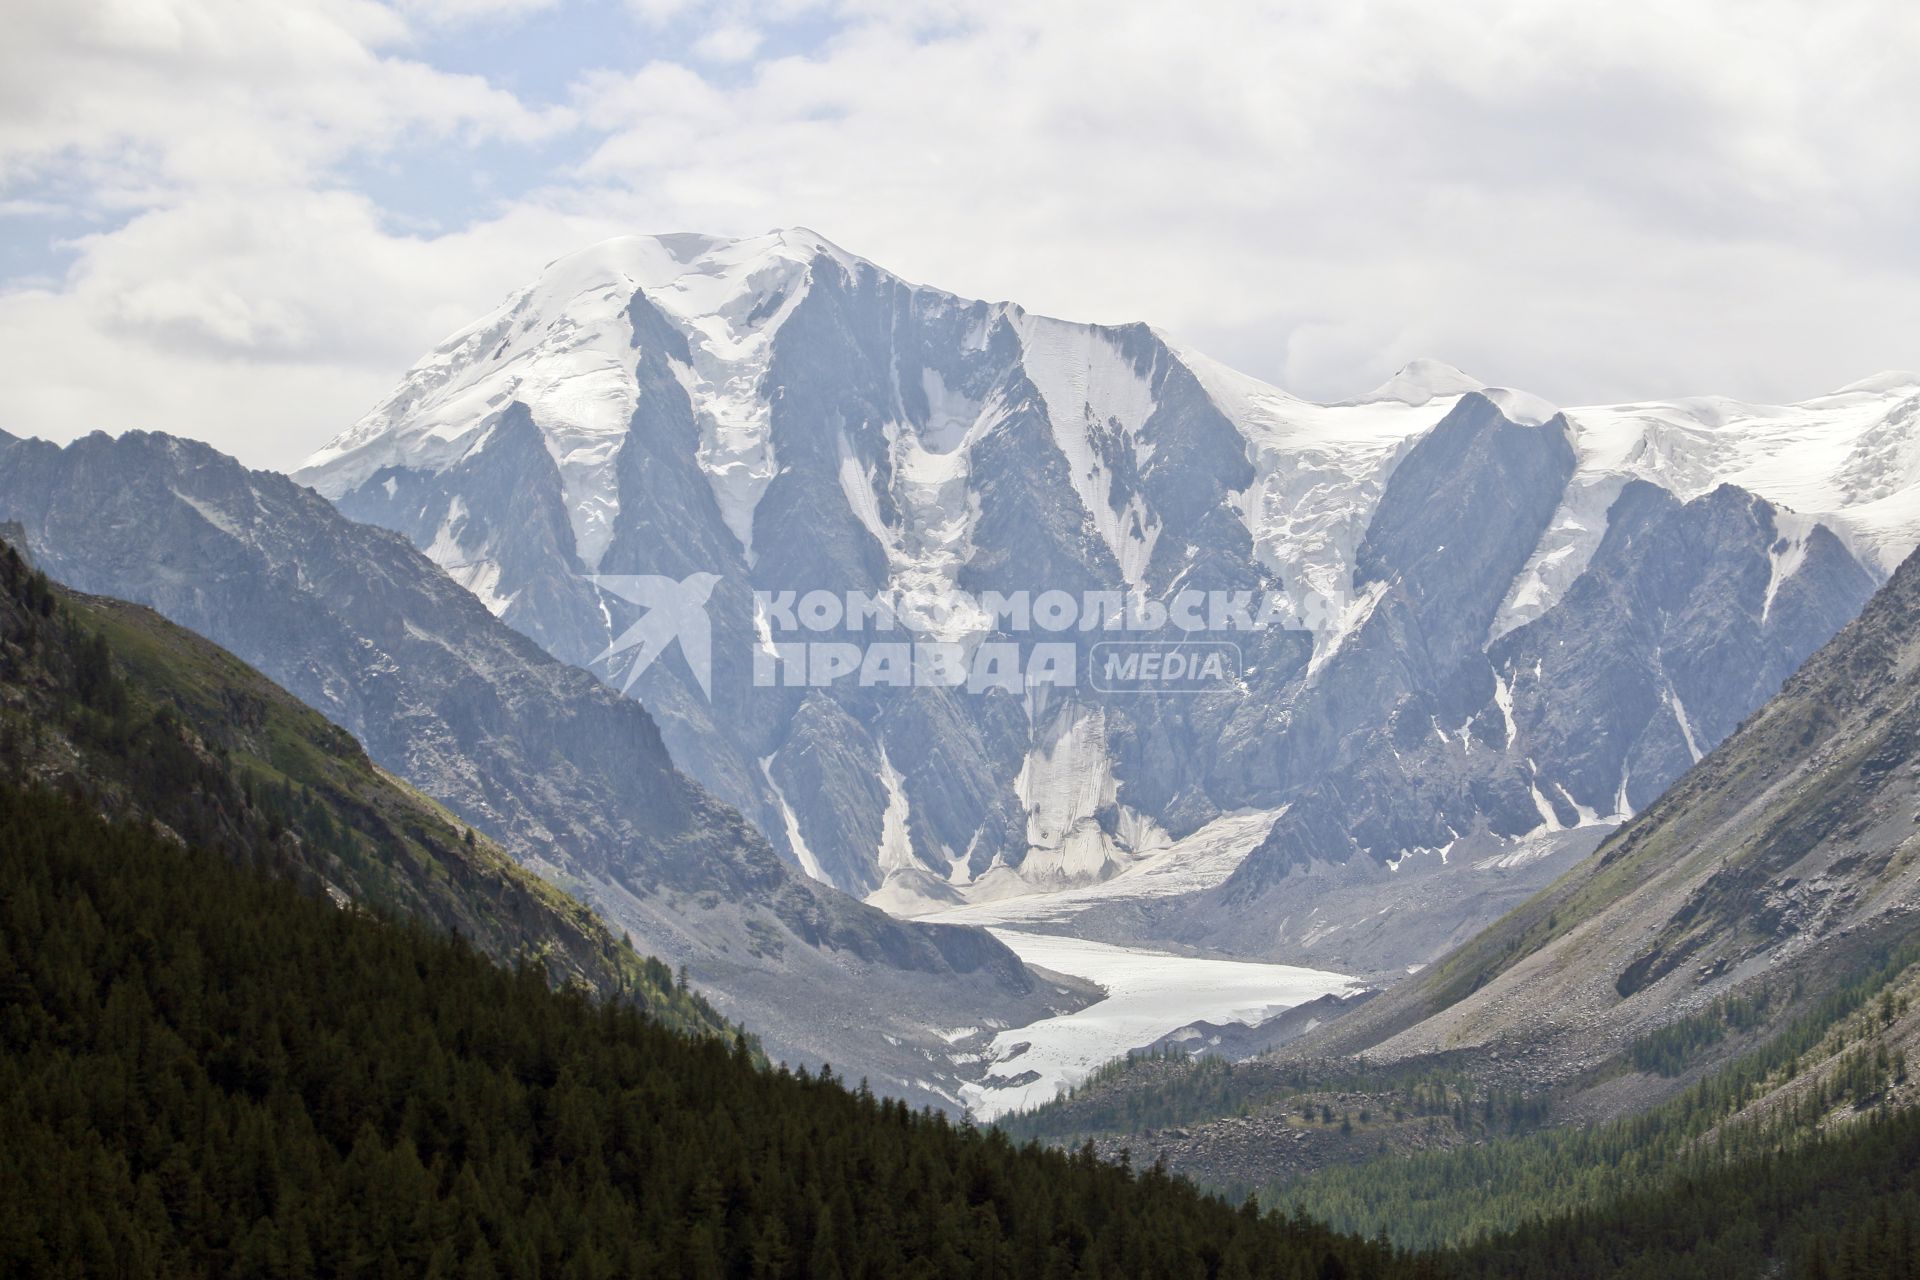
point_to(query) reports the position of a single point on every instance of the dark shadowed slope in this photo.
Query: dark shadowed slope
(569, 777)
(153, 724)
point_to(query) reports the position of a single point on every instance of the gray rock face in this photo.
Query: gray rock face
(1475, 655)
(1785, 858)
(1673, 636)
(567, 775)
(1677, 630)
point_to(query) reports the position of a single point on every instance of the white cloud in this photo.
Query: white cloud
(145, 94)
(1635, 198)
(453, 13)
(240, 294)
(1595, 202)
(659, 12)
(729, 42)
(261, 324)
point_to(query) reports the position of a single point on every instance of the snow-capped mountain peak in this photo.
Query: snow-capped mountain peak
(1889, 380)
(1521, 408)
(1421, 381)
(563, 346)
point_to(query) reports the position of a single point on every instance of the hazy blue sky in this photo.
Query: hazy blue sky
(242, 220)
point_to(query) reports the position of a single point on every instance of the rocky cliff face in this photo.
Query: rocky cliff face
(1782, 857)
(1685, 619)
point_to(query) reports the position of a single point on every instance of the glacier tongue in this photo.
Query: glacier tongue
(1065, 783)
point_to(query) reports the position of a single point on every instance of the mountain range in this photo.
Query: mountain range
(1499, 629)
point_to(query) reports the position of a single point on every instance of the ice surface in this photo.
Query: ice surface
(1787, 554)
(1319, 471)
(731, 299)
(938, 509)
(1520, 407)
(1850, 460)
(1066, 781)
(1195, 862)
(808, 863)
(896, 850)
(471, 567)
(1895, 380)
(1679, 710)
(1149, 993)
(562, 347)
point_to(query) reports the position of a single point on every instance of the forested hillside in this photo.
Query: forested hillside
(1841, 1209)
(144, 720)
(1831, 1071)
(204, 1071)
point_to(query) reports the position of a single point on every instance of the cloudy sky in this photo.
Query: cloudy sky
(241, 221)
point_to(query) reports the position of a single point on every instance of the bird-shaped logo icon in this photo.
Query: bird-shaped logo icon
(675, 610)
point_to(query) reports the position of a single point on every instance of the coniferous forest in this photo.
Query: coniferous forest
(206, 1072)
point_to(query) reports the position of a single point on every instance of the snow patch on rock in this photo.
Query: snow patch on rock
(808, 863)
(1787, 554)
(1096, 401)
